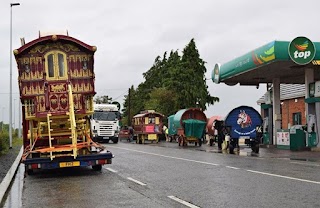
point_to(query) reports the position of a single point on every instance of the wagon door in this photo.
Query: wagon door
(57, 80)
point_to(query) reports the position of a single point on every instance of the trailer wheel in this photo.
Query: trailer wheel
(30, 172)
(255, 148)
(231, 148)
(211, 142)
(97, 167)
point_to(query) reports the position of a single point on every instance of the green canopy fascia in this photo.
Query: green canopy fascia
(271, 52)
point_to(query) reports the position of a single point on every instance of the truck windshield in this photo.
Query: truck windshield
(105, 116)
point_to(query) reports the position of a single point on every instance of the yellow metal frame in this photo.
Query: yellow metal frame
(77, 127)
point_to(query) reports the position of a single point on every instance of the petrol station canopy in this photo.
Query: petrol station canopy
(264, 64)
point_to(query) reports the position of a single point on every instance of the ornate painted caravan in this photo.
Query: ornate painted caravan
(56, 83)
(147, 126)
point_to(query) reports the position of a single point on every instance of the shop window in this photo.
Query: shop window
(296, 118)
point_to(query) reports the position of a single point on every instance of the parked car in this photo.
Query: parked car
(125, 133)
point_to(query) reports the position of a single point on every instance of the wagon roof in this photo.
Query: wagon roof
(54, 38)
(144, 114)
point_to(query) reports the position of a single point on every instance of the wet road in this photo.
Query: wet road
(166, 175)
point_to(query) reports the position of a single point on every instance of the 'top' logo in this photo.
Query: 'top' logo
(301, 50)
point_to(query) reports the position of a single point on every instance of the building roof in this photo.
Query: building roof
(288, 91)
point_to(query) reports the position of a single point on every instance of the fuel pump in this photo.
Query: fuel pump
(312, 135)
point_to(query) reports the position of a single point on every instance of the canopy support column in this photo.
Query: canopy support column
(276, 108)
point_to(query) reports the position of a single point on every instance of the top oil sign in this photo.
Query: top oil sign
(301, 50)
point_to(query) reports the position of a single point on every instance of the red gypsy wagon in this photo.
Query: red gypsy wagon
(56, 83)
(147, 126)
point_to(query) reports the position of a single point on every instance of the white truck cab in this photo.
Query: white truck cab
(105, 123)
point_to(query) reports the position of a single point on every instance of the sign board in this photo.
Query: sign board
(216, 73)
(268, 97)
(283, 138)
(311, 89)
(301, 50)
(317, 89)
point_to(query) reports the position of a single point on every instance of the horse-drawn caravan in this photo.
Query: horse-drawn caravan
(213, 128)
(244, 122)
(190, 126)
(172, 131)
(147, 126)
(56, 84)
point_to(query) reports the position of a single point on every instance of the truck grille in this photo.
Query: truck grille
(106, 130)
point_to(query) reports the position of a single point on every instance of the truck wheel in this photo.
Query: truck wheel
(115, 140)
(200, 142)
(97, 167)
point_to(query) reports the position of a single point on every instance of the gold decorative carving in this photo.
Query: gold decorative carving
(54, 37)
(54, 101)
(64, 100)
(57, 88)
(54, 46)
(41, 103)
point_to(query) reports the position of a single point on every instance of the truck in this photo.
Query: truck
(105, 123)
(56, 85)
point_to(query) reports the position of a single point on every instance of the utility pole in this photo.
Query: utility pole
(10, 101)
(129, 107)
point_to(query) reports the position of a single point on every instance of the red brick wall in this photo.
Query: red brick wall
(289, 107)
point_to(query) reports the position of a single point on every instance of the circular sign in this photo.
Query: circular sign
(301, 50)
(215, 75)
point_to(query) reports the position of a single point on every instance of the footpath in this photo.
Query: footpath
(8, 167)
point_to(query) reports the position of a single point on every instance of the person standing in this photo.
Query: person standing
(166, 132)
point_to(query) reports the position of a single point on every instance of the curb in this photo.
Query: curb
(9, 176)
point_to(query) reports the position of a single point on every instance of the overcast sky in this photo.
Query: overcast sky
(129, 34)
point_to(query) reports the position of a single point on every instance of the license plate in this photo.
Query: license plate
(69, 164)
(105, 137)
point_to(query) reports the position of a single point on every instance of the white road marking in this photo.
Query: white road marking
(232, 167)
(178, 158)
(183, 202)
(136, 181)
(207, 163)
(281, 176)
(111, 170)
(307, 164)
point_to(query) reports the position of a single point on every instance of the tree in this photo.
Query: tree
(196, 91)
(162, 101)
(171, 84)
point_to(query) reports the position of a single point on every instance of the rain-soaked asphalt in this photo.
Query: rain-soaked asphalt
(166, 175)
